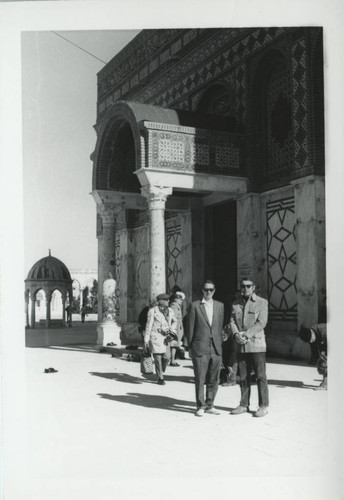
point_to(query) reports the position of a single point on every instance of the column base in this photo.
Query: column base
(108, 332)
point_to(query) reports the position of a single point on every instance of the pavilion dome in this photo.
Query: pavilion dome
(49, 268)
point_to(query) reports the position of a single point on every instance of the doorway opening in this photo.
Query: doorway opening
(221, 250)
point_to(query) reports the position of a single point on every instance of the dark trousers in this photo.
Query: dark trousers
(229, 357)
(161, 361)
(246, 363)
(207, 372)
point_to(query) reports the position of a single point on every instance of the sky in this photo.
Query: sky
(59, 95)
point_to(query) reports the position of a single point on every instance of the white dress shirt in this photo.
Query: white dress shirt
(209, 308)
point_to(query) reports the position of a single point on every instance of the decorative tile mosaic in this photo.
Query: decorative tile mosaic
(279, 123)
(281, 257)
(193, 150)
(208, 62)
(300, 115)
(227, 156)
(173, 253)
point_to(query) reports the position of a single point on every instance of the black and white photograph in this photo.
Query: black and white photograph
(171, 258)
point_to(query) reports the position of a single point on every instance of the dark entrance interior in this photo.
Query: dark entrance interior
(221, 250)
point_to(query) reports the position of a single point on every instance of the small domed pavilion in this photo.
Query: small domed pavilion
(47, 276)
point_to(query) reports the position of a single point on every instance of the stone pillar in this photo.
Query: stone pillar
(70, 303)
(33, 311)
(156, 197)
(47, 308)
(108, 329)
(250, 242)
(27, 298)
(309, 195)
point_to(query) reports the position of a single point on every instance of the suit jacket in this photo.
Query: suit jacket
(200, 333)
(250, 317)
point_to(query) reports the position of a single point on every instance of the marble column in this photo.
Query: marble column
(309, 195)
(108, 329)
(156, 197)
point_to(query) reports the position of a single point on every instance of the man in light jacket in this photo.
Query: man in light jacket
(248, 320)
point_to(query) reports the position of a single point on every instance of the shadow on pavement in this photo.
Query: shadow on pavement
(290, 383)
(153, 401)
(125, 377)
(151, 378)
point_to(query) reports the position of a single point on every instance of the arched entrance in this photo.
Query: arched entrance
(158, 175)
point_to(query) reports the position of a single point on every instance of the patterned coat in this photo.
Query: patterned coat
(155, 326)
(180, 329)
(250, 317)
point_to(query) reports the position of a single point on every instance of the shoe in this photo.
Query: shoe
(227, 384)
(261, 412)
(321, 387)
(161, 381)
(212, 411)
(174, 364)
(239, 410)
(199, 412)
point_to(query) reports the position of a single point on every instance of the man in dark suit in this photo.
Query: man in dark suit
(204, 323)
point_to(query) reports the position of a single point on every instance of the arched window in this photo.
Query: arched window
(218, 100)
(271, 128)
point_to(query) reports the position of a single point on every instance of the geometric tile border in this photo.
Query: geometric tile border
(281, 249)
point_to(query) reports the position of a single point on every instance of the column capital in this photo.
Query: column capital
(156, 195)
(109, 213)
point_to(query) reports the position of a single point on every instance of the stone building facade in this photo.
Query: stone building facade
(209, 163)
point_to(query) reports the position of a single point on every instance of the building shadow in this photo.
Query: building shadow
(70, 347)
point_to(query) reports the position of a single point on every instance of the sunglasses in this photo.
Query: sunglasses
(208, 289)
(246, 286)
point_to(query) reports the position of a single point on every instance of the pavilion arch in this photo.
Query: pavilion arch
(47, 274)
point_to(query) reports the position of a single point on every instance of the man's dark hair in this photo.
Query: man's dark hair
(247, 279)
(208, 282)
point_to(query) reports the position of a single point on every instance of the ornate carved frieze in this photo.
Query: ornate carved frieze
(193, 150)
(156, 196)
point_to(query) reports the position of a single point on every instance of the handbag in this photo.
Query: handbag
(224, 375)
(146, 362)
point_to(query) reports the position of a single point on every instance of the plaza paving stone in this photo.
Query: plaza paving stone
(100, 429)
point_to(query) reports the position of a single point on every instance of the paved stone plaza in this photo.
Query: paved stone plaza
(97, 427)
